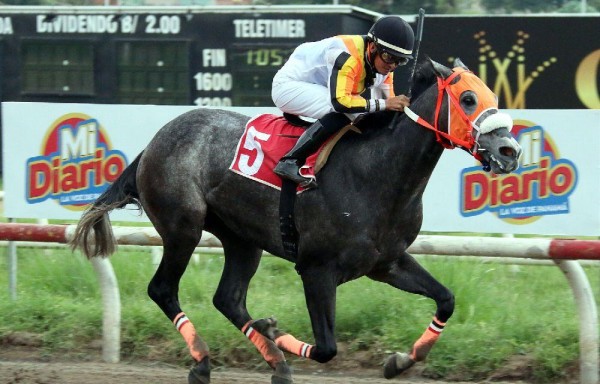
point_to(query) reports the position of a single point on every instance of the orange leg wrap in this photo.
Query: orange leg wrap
(290, 344)
(266, 347)
(198, 348)
(424, 344)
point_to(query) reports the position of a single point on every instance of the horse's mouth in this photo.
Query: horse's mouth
(505, 161)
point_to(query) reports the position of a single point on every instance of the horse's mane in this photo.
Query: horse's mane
(424, 78)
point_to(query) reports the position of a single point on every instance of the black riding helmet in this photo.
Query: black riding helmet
(393, 35)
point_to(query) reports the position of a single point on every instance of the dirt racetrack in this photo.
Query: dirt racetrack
(23, 361)
(124, 373)
(28, 372)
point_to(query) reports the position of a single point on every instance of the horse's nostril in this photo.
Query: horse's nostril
(507, 151)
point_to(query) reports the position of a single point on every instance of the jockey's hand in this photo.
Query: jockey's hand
(397, 103)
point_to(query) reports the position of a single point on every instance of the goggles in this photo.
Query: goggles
(390, 58)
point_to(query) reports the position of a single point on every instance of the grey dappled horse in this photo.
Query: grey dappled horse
(361, 219)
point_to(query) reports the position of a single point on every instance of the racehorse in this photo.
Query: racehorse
(359, 222)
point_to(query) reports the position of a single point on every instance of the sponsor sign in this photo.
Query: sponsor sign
(554, 191)
(523, 60)
(75, 164)
(542, 185)
(58, 157)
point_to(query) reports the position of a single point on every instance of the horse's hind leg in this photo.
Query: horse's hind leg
(320, 291)
(179, 242)
(241, 262)
(407, 275)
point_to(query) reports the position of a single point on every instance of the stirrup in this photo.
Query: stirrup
(310, 182)
(289, 169)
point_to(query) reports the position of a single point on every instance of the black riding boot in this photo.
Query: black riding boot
(314, 136)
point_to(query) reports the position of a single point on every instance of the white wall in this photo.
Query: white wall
(555, 191)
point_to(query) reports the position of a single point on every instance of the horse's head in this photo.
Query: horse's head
(466, 116)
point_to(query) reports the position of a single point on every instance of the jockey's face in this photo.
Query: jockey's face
(381, 66)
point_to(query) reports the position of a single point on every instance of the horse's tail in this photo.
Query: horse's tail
(122, 192)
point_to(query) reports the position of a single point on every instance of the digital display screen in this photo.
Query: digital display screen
(262, 57)
(253, 68)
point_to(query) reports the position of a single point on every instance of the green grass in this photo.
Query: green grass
(500, 313)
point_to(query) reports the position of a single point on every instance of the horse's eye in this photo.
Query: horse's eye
(469, 100)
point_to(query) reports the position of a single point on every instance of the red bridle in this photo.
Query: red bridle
(460, 127)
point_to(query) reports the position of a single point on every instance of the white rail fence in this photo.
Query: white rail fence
(563, 253)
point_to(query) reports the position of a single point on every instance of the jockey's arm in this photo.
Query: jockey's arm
(385, 90)
(345, 75)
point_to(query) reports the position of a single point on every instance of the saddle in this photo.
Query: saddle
(296, 120)
(267, 138)
(325, 150)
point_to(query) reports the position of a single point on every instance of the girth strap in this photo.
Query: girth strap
(287, 224)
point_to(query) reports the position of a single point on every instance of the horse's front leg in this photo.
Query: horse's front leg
(320, 287)
(406, 274)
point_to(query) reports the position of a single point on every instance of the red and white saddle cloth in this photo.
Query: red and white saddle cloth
(266, 139)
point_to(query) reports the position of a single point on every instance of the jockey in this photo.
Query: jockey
(325, 80)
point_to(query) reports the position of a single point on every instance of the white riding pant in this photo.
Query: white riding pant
(303, 99)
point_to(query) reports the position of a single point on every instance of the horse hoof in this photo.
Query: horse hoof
(266, 327)
(200, 373)
(283, 374)
(396, 364)
(281, 380)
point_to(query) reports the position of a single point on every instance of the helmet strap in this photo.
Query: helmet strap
(370, 54)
